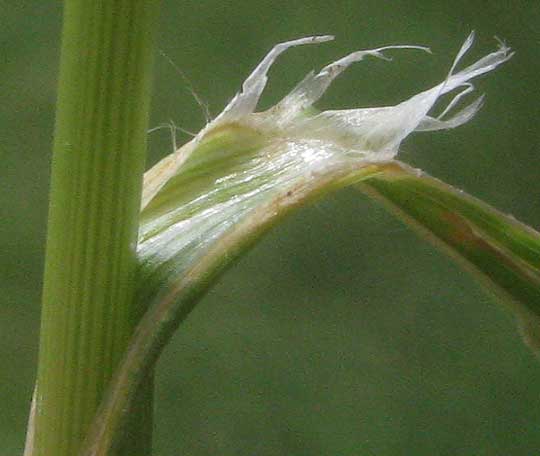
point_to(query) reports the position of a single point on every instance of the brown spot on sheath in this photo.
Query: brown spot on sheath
(464, 236)
(462, 232)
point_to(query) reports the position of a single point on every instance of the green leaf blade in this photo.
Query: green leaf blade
(502, 252)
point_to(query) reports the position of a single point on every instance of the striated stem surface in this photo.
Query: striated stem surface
(97, 168)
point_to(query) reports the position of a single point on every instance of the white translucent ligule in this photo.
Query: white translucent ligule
(314, 85)
(245, 102)
(374, 132)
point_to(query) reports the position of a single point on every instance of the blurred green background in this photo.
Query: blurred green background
(341, 333)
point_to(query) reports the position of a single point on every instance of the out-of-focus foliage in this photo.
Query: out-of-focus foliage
(341, 333)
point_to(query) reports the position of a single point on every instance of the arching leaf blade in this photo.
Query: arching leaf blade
(501, 252)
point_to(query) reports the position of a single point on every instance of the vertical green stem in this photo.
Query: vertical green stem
(97, 168)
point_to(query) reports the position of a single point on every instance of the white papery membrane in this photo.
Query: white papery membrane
(370, 134)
